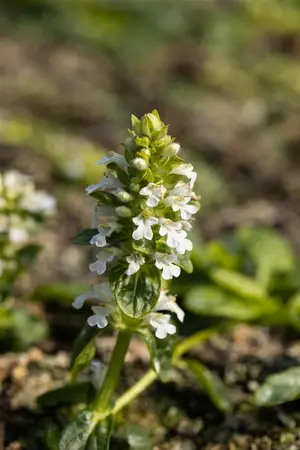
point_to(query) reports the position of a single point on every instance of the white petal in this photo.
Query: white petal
(138, 233)
(175, 270)
(152, 201)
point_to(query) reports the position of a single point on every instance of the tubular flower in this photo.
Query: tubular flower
(140, 224)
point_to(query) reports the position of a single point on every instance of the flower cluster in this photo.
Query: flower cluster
(22, 209)
(144, 212)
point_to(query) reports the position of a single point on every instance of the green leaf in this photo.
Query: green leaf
(100, 438)
(70, 394)
(184, 261)
(84, 237)
(279, 388)
(86, 335)
(75, 436)
(144, 246)
(105, 198)
(238, 284)
(26, 255)
(58, 292)
(211, 301)
(163, 360)
(136, 294)
(270, 251)
(51, 437)
(137, 438)
(84, 358)
(212, 384)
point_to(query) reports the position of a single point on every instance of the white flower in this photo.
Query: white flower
(144, 224)
(38, 202)
(187, 226)
(169, 228)
(181, 204)
(18, 234)
(165, 261)
(187, 171)
(113, 157)
(135, 261)
(99, 318)
(168, 303)
(161, 323)
(172, 149)
(100, 292)
(105, 231)
(181, 243)
(99, 239)
(108, 184)
(103, 257)
(181, 189)
(154, 192)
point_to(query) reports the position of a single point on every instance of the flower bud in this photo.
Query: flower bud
(154, 122)
(124, 196)
(123, 211)
(146, 151)
(172, 149)
(139, 164)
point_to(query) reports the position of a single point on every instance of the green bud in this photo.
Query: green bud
(124, 196)
(154, 122)
(123, 211)
(135, 122)
(145, 126)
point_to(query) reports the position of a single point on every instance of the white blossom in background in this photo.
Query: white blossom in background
(100, 292)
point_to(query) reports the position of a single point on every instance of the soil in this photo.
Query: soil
(178, 414)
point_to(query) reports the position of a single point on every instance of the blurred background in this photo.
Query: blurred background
(224, 73)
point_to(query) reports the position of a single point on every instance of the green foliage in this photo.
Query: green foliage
(136, 294)
(100, 438)
(270, 251)
(71, 394)
(212, 384)
(85, 339)
(137, 438)
(77, 433)
(84, 358)
(246, 276)
(84, 237)
(212, 301)
(279, 388)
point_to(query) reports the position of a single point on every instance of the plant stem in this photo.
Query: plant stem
(103, 400)
(134, 391)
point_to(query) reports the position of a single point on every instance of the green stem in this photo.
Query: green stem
(103, 400)
(134, 391)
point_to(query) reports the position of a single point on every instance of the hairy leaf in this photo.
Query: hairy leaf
(136, 294)
(279, 388)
